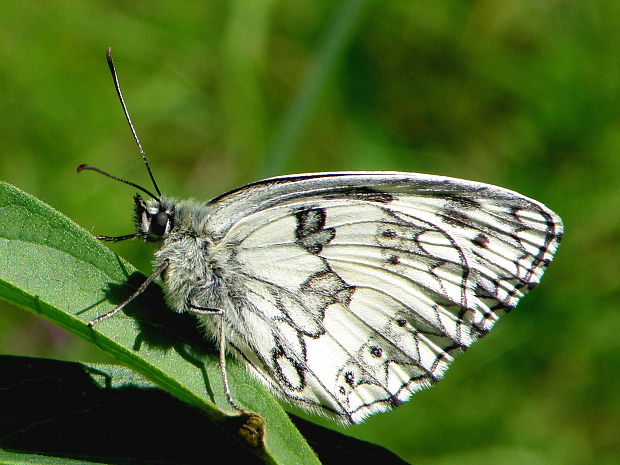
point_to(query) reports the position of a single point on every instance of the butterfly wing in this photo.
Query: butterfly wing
(347, 292)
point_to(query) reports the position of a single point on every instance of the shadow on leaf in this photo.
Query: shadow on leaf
(108, 413)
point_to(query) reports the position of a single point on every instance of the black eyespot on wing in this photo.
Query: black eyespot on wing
(481, 241)
(376, 351)
(311, 233)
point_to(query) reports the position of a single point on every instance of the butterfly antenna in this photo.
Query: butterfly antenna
(116, 178)
(133, 131)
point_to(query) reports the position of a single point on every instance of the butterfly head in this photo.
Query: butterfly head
(154, 218)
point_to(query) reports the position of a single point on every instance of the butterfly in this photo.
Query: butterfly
(346, 292)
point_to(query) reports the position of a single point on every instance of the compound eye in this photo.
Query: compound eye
(159, 224)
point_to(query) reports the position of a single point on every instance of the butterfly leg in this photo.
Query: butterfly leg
(116, 238)
(222, 350)
(160, 269)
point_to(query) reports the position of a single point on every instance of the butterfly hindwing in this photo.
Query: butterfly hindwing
(348, 292)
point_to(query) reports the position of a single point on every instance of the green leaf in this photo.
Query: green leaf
(14, 458)
(58, 270)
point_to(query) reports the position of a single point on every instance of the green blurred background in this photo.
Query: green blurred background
(522, 94)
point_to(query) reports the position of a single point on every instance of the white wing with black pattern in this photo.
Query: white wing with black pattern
(345, 293)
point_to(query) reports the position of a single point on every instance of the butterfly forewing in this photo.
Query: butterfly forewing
(347, 292)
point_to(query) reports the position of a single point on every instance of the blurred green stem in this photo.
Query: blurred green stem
(339, 32)
(244, 51)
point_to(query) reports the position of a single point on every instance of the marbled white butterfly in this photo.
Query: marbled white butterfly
(345, 293)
